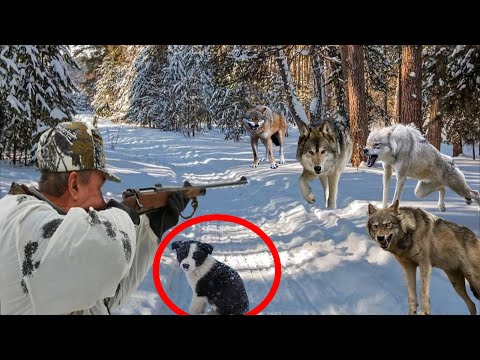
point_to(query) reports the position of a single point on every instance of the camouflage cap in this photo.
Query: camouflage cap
(72, 146)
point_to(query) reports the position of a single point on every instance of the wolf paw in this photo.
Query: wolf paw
(262, 160)
(310, 198)
(468, 201)
(442, 207)
(253, 165)
(273, 166)
(423, 313)
(282, 162)
(412, 312)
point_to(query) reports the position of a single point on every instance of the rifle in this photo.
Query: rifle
(146, 199)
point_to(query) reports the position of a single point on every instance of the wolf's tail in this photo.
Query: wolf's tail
(275, 139)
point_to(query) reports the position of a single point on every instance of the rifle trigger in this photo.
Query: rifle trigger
(194, 205)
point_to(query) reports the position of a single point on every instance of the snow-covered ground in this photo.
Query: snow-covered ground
(329, 265)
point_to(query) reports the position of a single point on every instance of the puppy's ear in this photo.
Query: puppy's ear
(371, 209)
(394, 207)
(176, 245)
(206, 247)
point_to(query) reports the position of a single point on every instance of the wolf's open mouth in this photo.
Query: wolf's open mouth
(385, 241)
(371, 160)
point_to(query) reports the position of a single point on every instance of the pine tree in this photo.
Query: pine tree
(434, 91)
(116, 75)
(148, 100)
(462, 107)
(35, 93)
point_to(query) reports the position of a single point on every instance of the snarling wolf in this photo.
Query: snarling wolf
(418, 238)
(261, 123)
(405, 150)
(324, 149)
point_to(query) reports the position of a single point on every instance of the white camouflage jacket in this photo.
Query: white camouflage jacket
(78, 263)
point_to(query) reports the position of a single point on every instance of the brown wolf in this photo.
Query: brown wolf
(324, 149)
(261, 123)
(418, 238)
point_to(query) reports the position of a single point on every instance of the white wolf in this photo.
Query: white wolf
(404, 149)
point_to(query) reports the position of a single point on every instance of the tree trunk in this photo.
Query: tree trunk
(319, 111)
(434, 131)
(396, 105)
(473, 150)
(457, 146)
(329, 88)
(354, 74)
(411, 86)
(296, 108)
(14, 152)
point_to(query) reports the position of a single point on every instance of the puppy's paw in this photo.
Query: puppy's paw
(442, 207)
(253, 165)
(412, 312)
(273, 166)
(423, 313)
(282, 162)
(468, 201)
(262, 160)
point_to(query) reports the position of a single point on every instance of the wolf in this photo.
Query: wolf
(212, 281)
(418, 238)
(404, 149)
(324, 149)
(261, 123)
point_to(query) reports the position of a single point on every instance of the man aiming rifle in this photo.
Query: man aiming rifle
(64, 250)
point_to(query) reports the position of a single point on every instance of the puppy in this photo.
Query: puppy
(212, 282)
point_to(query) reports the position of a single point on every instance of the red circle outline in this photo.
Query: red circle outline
(216, 217)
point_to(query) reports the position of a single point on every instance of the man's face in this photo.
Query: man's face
(90, 193)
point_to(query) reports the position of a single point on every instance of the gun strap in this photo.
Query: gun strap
(194, 205)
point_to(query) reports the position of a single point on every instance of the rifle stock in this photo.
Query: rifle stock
(143, 200)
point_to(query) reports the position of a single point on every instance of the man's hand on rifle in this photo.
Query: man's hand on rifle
(165, 218)
(132, 213)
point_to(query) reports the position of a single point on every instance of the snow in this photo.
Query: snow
(329, 264)
(412, 74)
(56, 113)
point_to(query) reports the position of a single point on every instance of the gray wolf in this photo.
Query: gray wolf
(324, 149)
(404, 149)
(261, 123)
(418, 238)
(212, 282)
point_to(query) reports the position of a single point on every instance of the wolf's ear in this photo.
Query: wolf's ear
(371, 209)
(394, 207)
(327, 130)
(303, 128)
(176, 245)
(206, 247)
(263, 109)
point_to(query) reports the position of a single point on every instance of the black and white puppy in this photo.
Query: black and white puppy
(212, 282)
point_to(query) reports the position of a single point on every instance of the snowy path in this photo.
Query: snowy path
(329, 264)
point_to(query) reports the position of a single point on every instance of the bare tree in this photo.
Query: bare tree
(354, 74)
